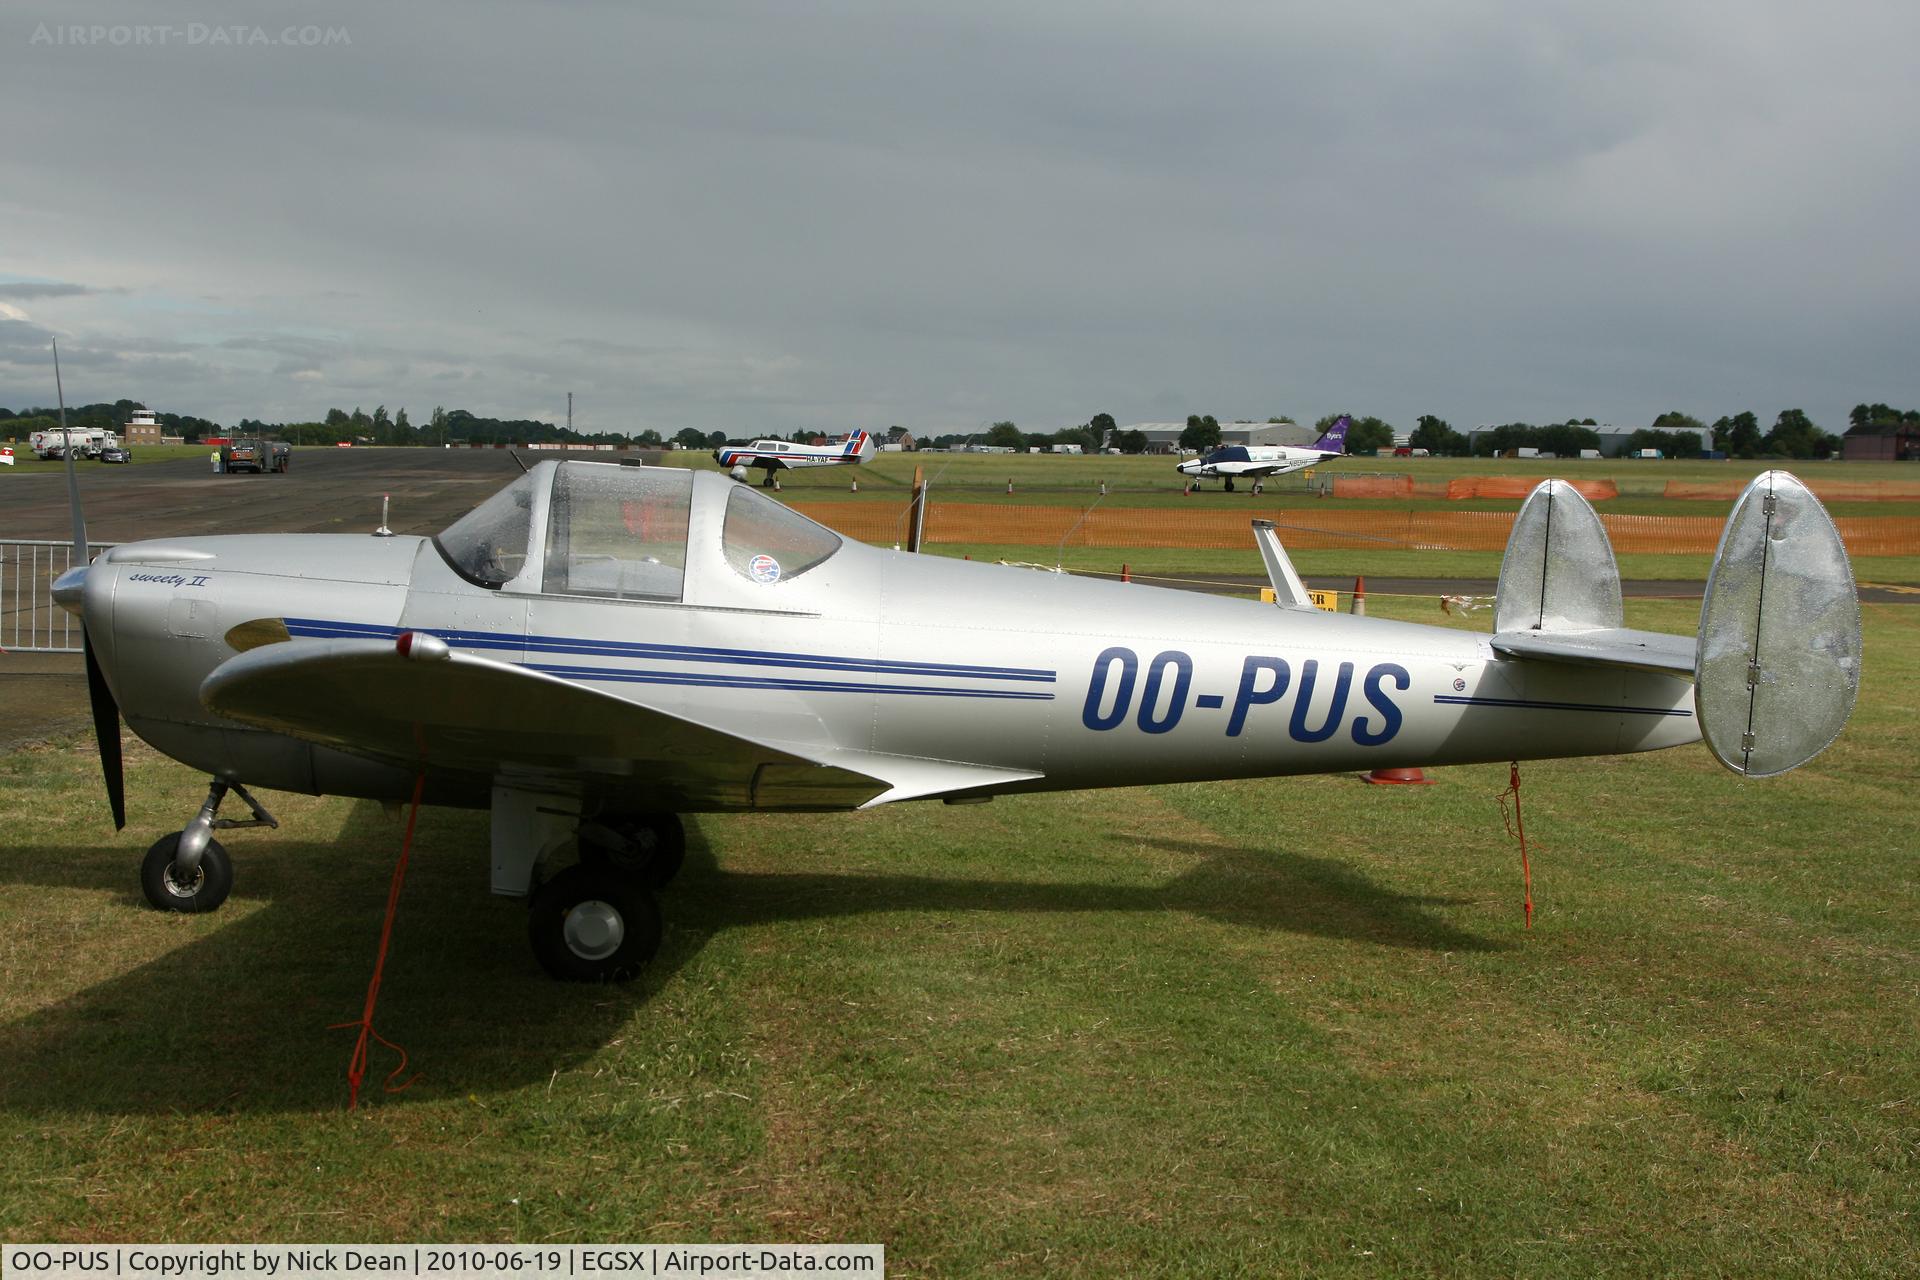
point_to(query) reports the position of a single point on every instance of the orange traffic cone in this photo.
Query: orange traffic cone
(1360, 596)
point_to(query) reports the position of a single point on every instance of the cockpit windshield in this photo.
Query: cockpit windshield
(618, 531)
(767, 542)
(488, 545)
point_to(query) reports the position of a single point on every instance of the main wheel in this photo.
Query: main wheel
(589, 925)
(650, 850)
(204, 889)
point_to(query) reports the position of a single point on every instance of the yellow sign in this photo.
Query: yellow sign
(1328, 600)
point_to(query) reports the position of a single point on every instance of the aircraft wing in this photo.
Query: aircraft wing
(426, 707)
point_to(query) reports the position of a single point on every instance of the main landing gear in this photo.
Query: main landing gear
(595, 920)
(189, 871)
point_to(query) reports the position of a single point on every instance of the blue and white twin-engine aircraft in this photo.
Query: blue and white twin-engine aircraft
(1260, 461)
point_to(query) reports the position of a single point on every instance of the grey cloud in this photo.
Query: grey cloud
(724, 216)
(29, 289)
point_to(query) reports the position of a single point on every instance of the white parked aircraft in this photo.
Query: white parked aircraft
(1258, 461)
(775, 456)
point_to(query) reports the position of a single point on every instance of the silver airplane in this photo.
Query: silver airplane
(599, 648)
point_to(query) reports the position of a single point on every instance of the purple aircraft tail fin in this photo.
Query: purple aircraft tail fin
(1335, 440)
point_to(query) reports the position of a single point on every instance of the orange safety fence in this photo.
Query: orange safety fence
(1521, 486)
(1313, 529)
(1826, 490)
(1460, 487)
(1373, 486)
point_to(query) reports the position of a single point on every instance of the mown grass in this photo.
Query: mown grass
(1346, 564)
(1152, 480)
(1250, 1028)
(26, 464)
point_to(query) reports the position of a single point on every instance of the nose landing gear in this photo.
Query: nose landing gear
(189, 871)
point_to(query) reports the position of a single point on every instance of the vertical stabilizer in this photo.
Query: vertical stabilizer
(1779, 661)
(1335, 439)
(1559, 573)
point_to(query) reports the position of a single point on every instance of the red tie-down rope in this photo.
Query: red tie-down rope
(1518, 830)
(357, 1065)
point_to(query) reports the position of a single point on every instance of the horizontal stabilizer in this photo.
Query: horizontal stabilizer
(1779, 662)
(1558, 573)
(1603, 647)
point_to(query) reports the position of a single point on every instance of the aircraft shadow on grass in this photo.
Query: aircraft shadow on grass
(236, 1019)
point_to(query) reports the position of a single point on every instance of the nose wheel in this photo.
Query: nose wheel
(188, 890)
(189, 871)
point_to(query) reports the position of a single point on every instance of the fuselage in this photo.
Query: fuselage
(1079, 682)
(1254, 460)
(783, 455)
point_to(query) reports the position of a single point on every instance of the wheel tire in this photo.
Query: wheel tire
(164, 893)
(657, 850)
(590, 925)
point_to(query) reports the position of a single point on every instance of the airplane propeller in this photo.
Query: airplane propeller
(106, 712)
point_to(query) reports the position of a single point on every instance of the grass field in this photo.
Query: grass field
(1152, 481)
(1251, 1028)
(26, 464)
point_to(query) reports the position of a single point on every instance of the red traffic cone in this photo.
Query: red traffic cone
(1125, 575)
(1360, 596)
(1397, 778)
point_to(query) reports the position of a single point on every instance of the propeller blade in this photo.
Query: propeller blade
(106, 732)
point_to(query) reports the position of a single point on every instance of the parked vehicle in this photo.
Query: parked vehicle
(87, 442)
(116, 453)
(255, 455)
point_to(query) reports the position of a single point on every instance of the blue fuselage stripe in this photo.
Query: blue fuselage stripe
(313, 628)
(715, 681)
(1527, 704)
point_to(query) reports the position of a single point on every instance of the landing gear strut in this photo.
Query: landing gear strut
(189, 871)
(647, 850)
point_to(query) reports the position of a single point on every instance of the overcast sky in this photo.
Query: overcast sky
(765, 217)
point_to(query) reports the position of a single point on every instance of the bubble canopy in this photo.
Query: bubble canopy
(621, 532)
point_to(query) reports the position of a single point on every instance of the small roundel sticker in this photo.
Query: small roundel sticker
(1458, 684)
(763, 569)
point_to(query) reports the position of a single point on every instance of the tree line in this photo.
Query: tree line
(106, 417)
(1676, 434)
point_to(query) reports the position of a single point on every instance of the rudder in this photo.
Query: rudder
(1778, 668)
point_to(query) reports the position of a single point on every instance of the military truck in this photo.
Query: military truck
(255, 455)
